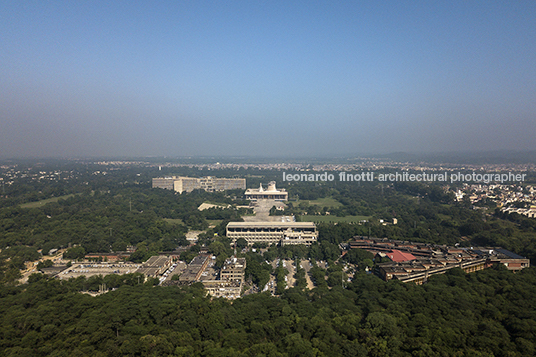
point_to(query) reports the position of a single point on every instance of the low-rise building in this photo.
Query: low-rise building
(155, 266)
(231, 277)
(194, 270)
(233, 269)
(228, 289)
(271, 193)
(273, 232)
(415, 262)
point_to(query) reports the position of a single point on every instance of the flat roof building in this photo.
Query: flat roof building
(91, 269)
(283, 233)
(233, 269)
(416, 262)
(164, 182)
(155, 266)
(182, 184)
(271, 193)
(231, 276)
(194, 270)
(229, 289)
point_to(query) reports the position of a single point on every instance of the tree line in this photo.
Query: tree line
(488, 313)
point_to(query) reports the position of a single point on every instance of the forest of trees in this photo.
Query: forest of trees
(488, 313)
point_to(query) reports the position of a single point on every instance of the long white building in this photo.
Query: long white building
(273, 232)
(182, 184)
(271, 193)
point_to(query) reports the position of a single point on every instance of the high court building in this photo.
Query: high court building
(271, 193)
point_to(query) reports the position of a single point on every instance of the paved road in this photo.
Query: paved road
(262, 212)
(291, 271)
(31, 267)
(306, 264)
(179, 269)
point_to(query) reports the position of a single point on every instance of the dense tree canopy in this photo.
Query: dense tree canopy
(488, 313)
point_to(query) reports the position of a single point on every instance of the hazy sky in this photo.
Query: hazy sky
(271, 78)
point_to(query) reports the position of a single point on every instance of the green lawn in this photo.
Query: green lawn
(323, 202)
(173, 220)
(444, 217)
(44, 202)
(214, 222)
(348, 219)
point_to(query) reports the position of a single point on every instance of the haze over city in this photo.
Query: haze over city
(265, 78)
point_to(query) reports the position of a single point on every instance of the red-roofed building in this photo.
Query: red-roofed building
(398, 256)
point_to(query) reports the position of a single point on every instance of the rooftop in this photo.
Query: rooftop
(272, 224)
(399, 256)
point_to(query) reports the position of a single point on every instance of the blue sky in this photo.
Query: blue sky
(270, 78)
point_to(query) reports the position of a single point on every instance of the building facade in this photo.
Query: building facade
(271, 193)
(416, 262)
(283, 233)
(182, 184)
(233, 269)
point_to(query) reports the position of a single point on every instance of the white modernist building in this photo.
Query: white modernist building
(182, 184)
(273, 232)
(271, 193)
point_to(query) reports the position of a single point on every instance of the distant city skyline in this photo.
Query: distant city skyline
(242, 78)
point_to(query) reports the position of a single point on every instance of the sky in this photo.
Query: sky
(265, 78)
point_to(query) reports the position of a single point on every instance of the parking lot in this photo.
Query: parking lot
(176, 268)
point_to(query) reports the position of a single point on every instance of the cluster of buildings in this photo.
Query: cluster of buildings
(182, 184)
(154, 267)
(529, 212)
(507, 197)
(12, 174)
(269, 232)
(415, 262)
(228, 283)
(284, 232)
(348, 164)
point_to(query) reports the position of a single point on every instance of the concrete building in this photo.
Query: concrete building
(230, 282)
(194, 270)
(273, 232)
(529, 212)
(186, 184)
(92, 269)
(228, 289)
(415, 262)
(108, 257)
(182, 184)
(233, 269)
(155, 266)
(271, 193)
(164, 182)
(398, 256)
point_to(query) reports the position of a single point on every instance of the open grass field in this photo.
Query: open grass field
(347, 219)
(322, 202)
(173, 220)
(214, 222)
(443, 217)
(44, 202)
